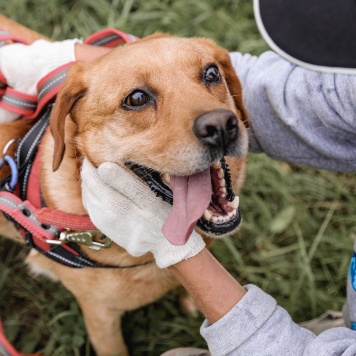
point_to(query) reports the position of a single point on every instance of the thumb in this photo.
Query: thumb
(130, 186)
(123, 181)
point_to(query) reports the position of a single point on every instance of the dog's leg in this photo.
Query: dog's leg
(104, 328)
(99, 296)
(187, 302)
(7, 229)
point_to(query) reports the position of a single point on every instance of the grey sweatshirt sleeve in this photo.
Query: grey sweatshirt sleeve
(257, 326)
(298, 114)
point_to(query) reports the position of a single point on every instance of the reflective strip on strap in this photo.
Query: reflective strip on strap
(24, 214)
(110, 37)
(48, 87)
(17, 102)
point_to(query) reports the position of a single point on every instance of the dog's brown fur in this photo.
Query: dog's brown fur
(101, 130)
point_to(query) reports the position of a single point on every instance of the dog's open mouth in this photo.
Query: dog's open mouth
(218, 217)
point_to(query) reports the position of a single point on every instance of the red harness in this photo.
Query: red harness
(46, 225)
(46, 229)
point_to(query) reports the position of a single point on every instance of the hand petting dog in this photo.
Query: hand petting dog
(132, 209)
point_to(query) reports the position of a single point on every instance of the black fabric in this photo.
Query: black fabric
(319, 32)
(26, 152)
(27, 149)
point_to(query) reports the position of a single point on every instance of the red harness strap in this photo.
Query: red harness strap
(6, 349)
(61, 219)
(41, 229)
(30, 106)
(24, 213)
(43, 224)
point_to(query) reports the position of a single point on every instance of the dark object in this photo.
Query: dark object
(311, 32)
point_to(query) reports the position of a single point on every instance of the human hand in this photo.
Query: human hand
(23, 66)
(128, 212)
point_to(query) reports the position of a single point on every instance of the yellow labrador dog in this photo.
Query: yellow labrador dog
(163, 106)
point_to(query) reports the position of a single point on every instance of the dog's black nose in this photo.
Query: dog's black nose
(217, 128)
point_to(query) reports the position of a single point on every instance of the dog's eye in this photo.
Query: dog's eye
(137, 98)
(212, 75)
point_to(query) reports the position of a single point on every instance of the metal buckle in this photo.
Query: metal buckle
(84, 238)
(7, 146)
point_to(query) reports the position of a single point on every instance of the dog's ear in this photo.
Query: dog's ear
(233, 82)
(73, 89)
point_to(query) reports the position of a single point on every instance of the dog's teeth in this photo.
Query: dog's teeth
(223, 190)
(215, 219)
(207, 215)
(221, 173)
(231, 214)
(235, 203)
(216, 164)
(166, 177)
(222, 183)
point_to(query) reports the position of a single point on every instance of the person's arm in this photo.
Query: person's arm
(248, 321)
(297, 114)
(23, 66)
(213, 288)
(88, 53)
(240, 320)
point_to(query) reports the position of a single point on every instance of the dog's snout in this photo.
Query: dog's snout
(218, 128)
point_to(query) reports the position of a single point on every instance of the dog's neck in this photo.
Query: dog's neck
(61, 189)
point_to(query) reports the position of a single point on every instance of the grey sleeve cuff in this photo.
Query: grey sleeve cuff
(256, 326)
(247, 316)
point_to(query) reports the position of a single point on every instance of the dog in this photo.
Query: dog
(161, 106)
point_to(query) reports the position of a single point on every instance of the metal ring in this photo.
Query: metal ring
(7, 146)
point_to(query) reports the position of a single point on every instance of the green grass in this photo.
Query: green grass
(298, 227)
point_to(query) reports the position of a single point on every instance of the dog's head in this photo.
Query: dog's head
(169, 109)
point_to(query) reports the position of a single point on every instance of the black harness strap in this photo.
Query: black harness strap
(28, 147)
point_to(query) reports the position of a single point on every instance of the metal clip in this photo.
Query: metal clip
(7, 146)
(85, 238)
(11, 184)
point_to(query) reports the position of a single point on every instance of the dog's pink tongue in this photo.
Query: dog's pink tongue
(191, 196)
